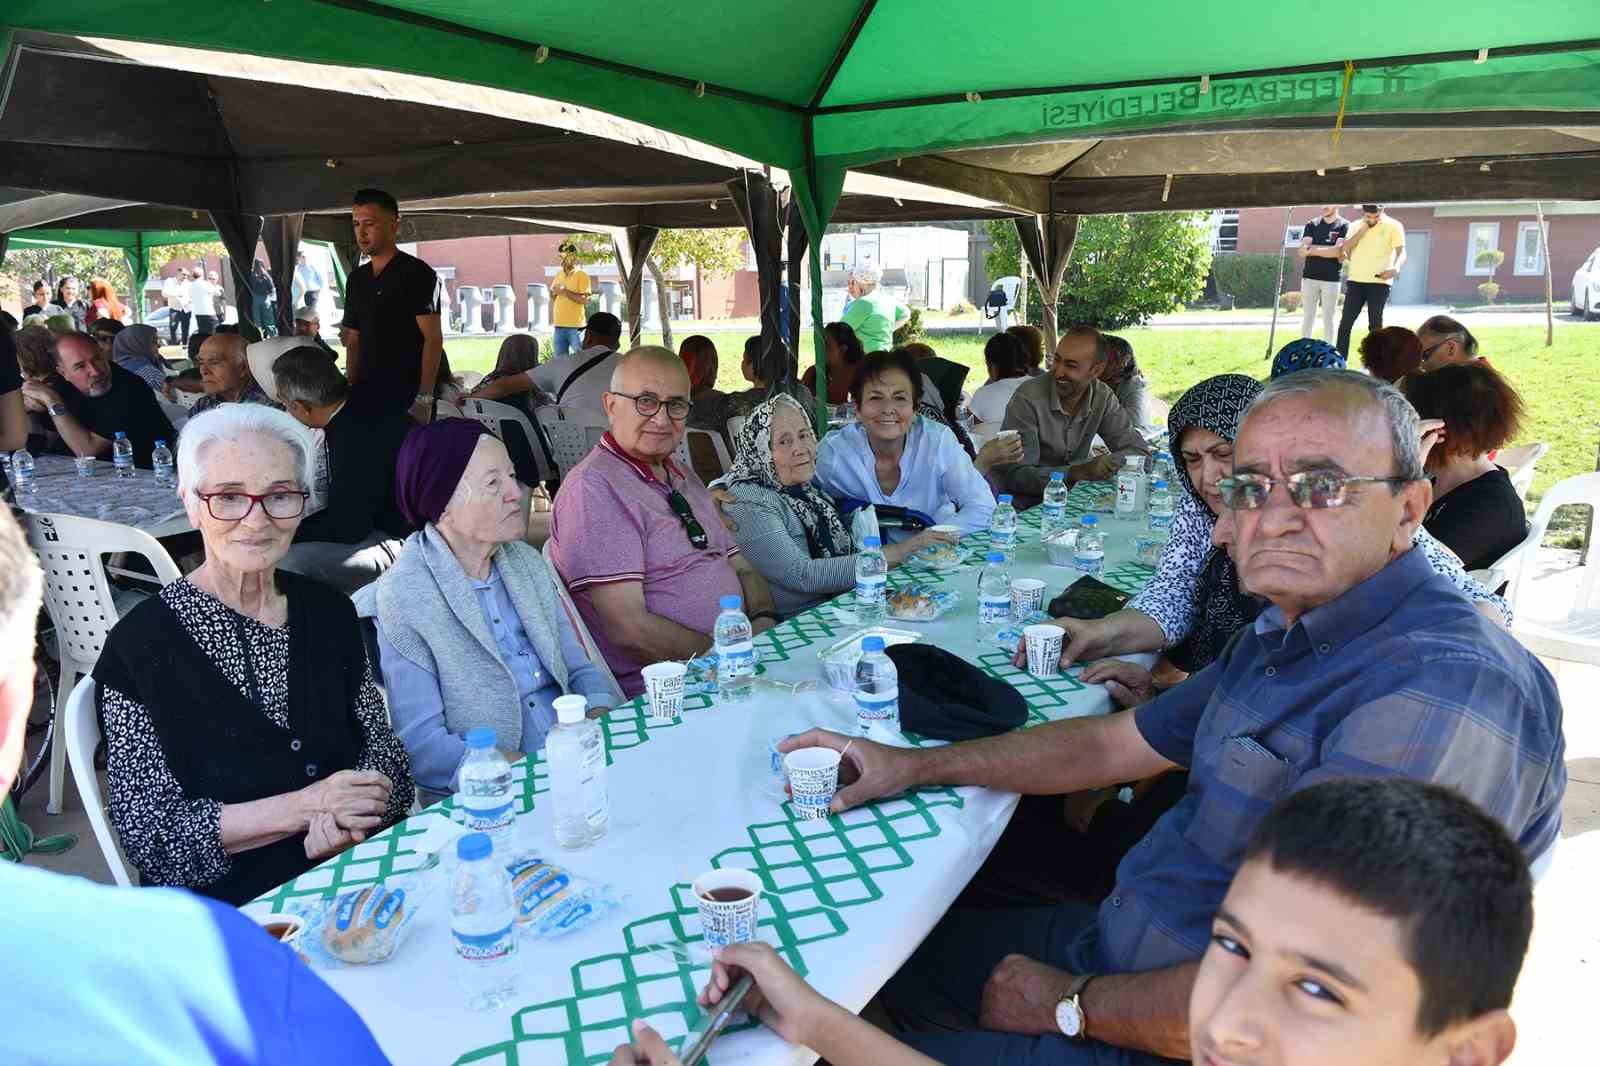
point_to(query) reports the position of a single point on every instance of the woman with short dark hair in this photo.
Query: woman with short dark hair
(842, 354)
(1007, 360)
(1391, 353)
(1476, 511)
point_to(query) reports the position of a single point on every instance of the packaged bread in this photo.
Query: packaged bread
(364, 925)
(552, 901)
(940, 556)
(916, 603)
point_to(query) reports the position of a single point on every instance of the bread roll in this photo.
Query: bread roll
(364, 924)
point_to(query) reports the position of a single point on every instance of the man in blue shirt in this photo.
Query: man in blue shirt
(1366, 664)
(147, 975)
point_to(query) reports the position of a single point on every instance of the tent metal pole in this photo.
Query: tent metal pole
(1283, 254)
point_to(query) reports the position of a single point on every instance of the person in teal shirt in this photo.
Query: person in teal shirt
(872, 313)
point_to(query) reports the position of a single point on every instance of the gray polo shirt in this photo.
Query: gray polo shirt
(1055, 440)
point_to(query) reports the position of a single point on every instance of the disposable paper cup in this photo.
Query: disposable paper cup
(285, 928)
(1044, 650)
(1007, 433)
(1027, 596)
(663, 686)
(813, 779)
(954, 531)
(727, 922)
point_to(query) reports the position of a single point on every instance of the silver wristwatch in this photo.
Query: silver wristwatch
(57, 409)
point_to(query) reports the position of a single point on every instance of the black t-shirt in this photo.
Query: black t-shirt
(384, 310)
(1326, 235)
(1479, 521)
(10, 377)
(130, 407)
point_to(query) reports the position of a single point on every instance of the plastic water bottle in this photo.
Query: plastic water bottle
(22, 472)
(736, 652)
(483, 789)
(1089, 556)
(161, 462)
(122, 455)
(576, 752)
(872, 582)
(1053, 511)
(1160, 516)
(1130, 487)
(994, 598)
(483, 924)
(1161, 468)
(877, 688)
(1003, 528)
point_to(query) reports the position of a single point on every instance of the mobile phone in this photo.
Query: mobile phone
(701, 1039)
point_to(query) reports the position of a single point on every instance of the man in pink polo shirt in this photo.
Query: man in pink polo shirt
(638, 539)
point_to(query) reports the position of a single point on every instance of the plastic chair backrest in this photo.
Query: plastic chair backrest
(735, 424)
(716, 444)
(1580, 489)
(590, 648)
(82, 730)
(1519, 463)
(443, 410)
(496, 415)
(187, 400)
(470, 379)
(572, 433)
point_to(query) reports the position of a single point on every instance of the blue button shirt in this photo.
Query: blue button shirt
(417, 707)
(1399, 676)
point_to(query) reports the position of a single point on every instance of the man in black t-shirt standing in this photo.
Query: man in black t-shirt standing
(90, 400)
(1319, 282)
(394, 338)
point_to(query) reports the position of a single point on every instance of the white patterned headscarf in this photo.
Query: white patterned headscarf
(825, 532)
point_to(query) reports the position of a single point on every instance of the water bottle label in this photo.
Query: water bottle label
(1090, 562)
(486, 947)
(485, 814)
(1127, 495)
(1000, 539)
(736, 660)
(994, 612)
(1160, 519)
(874, 707)
(592, 785)
(870, 591)
(1053, 512)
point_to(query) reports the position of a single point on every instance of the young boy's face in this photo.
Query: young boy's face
(1296, 974)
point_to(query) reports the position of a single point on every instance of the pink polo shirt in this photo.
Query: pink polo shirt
(611, 522)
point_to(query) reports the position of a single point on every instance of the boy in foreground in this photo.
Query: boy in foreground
(1372, 923)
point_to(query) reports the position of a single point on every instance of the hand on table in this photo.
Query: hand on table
(325, 837)
(357, 799)
(895, 554)
(1099, 468)
(1021, 996)
(1128, 683)
(1084, 639)
(647, 1049)
(781, 998)
(869, 771)
(598, 710)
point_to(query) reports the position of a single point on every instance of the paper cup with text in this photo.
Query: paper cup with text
(1044, 649)
(663, 687)
(813, 779)
(1027, 596)
(730, 902)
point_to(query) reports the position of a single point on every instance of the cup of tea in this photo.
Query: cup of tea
(663, 686)
(813, 779)
(1027, 596)
(284, 928)
(730, 902)
(1044, 650)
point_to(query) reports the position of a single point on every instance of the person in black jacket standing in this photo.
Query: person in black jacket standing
(357, 534)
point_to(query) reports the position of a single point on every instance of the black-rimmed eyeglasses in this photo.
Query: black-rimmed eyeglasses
(234, 506)
(1309, 488)
(648, 403)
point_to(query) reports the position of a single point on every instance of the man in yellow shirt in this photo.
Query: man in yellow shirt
(1375, 251)
(569, 298)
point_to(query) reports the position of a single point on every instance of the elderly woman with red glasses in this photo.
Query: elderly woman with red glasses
(245, 737)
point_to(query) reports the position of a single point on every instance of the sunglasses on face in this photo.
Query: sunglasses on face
(1315, 490)
(691, 525)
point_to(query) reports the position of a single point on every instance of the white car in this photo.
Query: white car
(1586, 287)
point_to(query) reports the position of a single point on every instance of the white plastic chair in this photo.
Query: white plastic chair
(735, 424)
(718, 446)
(78, 596)
(590, 648)
(1575, 637)
(469, 379)
(495, 415)
(82, 729)
(187, 400)
(1519, 463)
(443, 410)
(572, 433)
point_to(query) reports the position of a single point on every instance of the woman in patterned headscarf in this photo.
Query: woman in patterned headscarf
(1306, 354)
(788, 527)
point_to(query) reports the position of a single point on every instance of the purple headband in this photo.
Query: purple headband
(430, 465)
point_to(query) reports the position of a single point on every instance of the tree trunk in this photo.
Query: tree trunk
(1549, 287)
(661, 302)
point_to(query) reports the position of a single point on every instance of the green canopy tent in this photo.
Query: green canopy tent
(913, 82)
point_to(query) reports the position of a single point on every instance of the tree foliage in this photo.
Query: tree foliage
(715, 253)
(53, 264)
(1124, 268)
(197, 251)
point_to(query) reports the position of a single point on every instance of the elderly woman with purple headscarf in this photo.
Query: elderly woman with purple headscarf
(470, 628)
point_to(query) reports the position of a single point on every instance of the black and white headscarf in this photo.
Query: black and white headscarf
(825, 532)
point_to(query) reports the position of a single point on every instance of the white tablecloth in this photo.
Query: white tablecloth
(847, 899)
(137, 501)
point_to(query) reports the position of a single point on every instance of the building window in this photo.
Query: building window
(1530, 250)
(1292, 236)
(1225, 230)
(1481, 237)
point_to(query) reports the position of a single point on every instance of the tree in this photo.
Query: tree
(54, 263)
(1124, 268)
(715, 253)
(198, 251)
(1492, 258)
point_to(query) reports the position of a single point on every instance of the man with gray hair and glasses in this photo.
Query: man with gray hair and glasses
(139, 975)
(1367, 663)
(1446, 342)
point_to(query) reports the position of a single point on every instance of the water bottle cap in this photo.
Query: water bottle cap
(1055, 475)
(871, 643)
(481, 737)
(474, 846)
(1159, 483)
(121, 435)
(872, 542)
(1006, 498)
(730, 603)
(996, 557)
(160, 443)
(1089, 520)
(570, 710)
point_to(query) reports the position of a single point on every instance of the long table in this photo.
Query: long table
(847, 898)
(139, 501)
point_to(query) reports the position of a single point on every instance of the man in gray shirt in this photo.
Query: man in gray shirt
(1058, 415)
